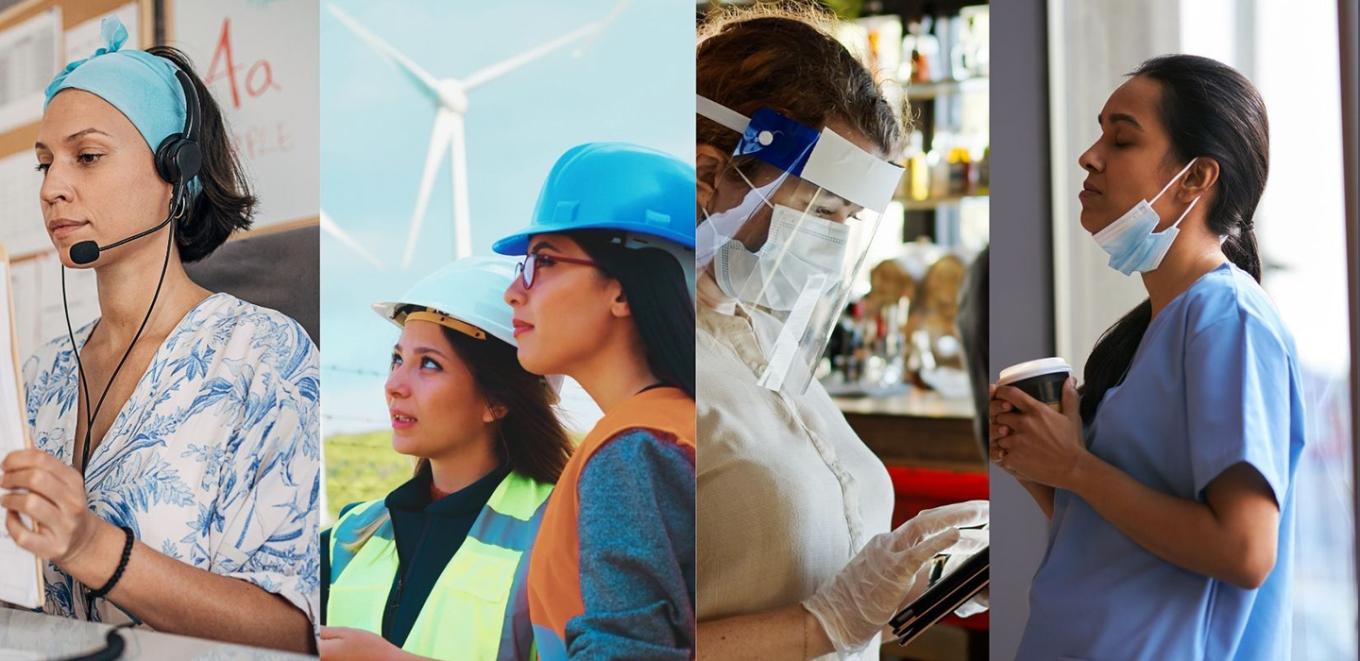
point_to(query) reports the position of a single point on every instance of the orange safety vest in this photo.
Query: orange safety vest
(555, 566)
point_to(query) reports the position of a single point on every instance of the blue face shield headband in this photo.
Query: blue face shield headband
(142, 86)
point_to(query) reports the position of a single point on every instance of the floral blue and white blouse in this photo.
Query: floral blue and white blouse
(213, 461)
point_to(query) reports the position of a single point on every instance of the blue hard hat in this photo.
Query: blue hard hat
(613, 186)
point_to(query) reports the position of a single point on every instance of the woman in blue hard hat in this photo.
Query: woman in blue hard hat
(173, 482)
(604, 296)
(437, 568)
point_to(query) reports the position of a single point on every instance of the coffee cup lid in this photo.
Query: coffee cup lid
(1032, 369)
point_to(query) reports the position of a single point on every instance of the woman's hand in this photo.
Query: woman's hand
(891, 570)
(1032, 441)
(341, 643)
(63, 524)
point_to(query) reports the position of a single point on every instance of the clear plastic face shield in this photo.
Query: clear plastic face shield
(786, 233)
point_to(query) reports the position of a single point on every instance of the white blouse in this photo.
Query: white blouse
(213, 461)
(787, 493)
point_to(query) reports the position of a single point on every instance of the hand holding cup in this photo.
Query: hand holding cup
(1035, 424)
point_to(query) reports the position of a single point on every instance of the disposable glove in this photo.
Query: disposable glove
(891, 570)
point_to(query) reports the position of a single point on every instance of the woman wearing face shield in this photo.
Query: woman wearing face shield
(437, 568)
(1168, 479)
(174, 478)
(797, 557)
(604, 297)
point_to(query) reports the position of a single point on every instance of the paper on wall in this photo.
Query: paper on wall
(29, 53)
(39, 315)
(22, 230)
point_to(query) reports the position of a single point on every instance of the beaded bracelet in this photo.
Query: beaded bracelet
(122, 564)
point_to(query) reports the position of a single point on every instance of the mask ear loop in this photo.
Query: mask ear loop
(758, 190)
(1183, 214)
(1168, 187)
(1174, 179)
(720, 227)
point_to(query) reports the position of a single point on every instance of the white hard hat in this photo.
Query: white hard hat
(467, 295)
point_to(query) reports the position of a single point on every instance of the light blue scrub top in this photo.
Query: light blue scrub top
(1214, 382)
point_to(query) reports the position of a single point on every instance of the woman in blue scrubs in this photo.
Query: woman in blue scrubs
(1168, 476)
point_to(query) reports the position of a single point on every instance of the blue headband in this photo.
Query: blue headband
(140, 85)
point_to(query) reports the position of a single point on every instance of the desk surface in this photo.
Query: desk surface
(25, 635)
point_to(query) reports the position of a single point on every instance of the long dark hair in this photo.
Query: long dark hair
(658, 298)
(531, 438)
(226, 203)
(1210, 111)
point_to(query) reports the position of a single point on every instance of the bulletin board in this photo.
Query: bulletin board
(37, 38)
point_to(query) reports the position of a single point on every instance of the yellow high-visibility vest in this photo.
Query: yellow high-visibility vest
(478, 608)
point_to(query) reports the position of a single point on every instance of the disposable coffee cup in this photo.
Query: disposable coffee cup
(1041, 379)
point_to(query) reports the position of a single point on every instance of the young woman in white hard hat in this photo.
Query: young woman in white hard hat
(604, 297)
(437, 568)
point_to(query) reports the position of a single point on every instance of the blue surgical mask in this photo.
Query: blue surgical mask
(1131, 241)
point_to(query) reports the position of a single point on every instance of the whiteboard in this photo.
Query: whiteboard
(260, 60)
(21, 579)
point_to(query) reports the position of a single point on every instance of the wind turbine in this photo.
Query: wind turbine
(328, 226)
(450, 97)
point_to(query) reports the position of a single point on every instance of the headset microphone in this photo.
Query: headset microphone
(87, 252)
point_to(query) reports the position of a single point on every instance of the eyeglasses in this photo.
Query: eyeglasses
(527, 267)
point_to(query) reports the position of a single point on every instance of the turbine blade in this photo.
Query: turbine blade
(328, 226)
(388, 51)
(439, 137)
(516, 61)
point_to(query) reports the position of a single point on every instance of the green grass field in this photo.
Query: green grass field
(361, 467)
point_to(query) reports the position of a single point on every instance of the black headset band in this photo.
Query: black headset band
(192, 109)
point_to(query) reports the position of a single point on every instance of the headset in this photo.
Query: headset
(178, 160)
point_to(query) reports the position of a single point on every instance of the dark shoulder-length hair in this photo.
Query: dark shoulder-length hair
(226, 203)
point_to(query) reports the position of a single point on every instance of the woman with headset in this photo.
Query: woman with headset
(437, 568)
(603, 296)
(175, 474)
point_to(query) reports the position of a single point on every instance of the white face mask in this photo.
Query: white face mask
(1131, 241)
(799, 246)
